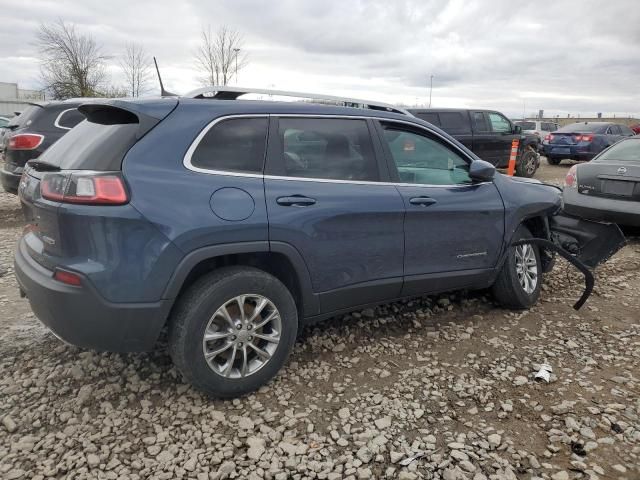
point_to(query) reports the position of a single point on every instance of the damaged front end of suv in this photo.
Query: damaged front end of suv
(585, 244)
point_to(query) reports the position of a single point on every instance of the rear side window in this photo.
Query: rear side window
(480, 122)
(68, 119)
(92, 146)
(454, 122)
(234, 145)
(430, 117)
(327, 148)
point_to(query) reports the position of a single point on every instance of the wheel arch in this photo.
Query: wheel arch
(278, 259)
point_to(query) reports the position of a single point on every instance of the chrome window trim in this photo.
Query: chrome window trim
(57, 121)
(186, 161)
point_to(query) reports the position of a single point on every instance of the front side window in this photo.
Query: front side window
(327, 148)
(423, 160)
(69, 118)
(235, 145)
(499, 124)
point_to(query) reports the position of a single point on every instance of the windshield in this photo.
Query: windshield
(625, 151)
(527, 125)
(583, 127)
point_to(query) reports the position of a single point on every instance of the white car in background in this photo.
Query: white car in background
(540, 128)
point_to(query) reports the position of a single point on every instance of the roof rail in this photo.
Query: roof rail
(225, 92)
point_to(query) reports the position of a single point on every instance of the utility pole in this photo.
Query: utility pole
(430, 89)
(236, 50)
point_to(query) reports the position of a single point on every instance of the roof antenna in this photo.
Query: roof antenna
(163, 92)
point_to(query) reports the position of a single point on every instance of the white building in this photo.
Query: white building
(14, 99)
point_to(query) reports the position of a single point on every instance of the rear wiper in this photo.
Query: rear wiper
(42, 166)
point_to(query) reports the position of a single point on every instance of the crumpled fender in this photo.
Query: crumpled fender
(583, 243)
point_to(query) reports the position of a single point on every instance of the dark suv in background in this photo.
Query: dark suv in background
(38, 127)
(488, 134)
(235, 222)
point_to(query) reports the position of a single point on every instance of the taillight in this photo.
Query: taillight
(25, 141)
(86, 188)
(571, 180)
(586, 138)
(550, 137)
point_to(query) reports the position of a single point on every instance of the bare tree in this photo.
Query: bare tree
(72, 64)
(220, 55)
(136, 67)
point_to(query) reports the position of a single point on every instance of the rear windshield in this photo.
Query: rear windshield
(26, 117)
(583, 127)
(92, 146)
(625, 151)
(527, 125)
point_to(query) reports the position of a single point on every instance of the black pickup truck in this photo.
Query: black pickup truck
(488, 134)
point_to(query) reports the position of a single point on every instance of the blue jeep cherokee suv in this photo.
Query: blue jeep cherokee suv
(234, 222)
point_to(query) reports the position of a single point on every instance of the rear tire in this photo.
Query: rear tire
(553, 160)
(246, 346)
(520, 279)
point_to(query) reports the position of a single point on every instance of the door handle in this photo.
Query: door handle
(295, 201)
(422, 201)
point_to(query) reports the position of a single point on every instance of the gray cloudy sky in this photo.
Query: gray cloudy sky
(563, 56)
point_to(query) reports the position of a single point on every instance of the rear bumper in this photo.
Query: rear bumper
(80, 316)
(623, 212)
(573, 152)
(10, 181)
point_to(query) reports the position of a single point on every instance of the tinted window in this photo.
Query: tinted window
(69, 118)
(337, 149)
(236, 145)
(3, 122)
(92, 146)
(499, 123)
(430, 117)
(626, 130)
(583, 128)
(626, 150)
(26, 116)
(454, 122)
(480, 122)
(528, 125)
(423, 160)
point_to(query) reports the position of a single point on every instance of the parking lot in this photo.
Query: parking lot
(447, 380)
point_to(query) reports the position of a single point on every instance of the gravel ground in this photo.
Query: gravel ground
(436, 387)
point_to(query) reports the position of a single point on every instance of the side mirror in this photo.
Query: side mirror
(481, 171)
(517, 130)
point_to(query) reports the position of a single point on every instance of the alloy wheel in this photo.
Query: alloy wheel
(526, 267)
(242, 336)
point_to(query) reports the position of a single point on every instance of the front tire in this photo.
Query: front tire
(527, 164)
(232, 331)
(520, 279)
